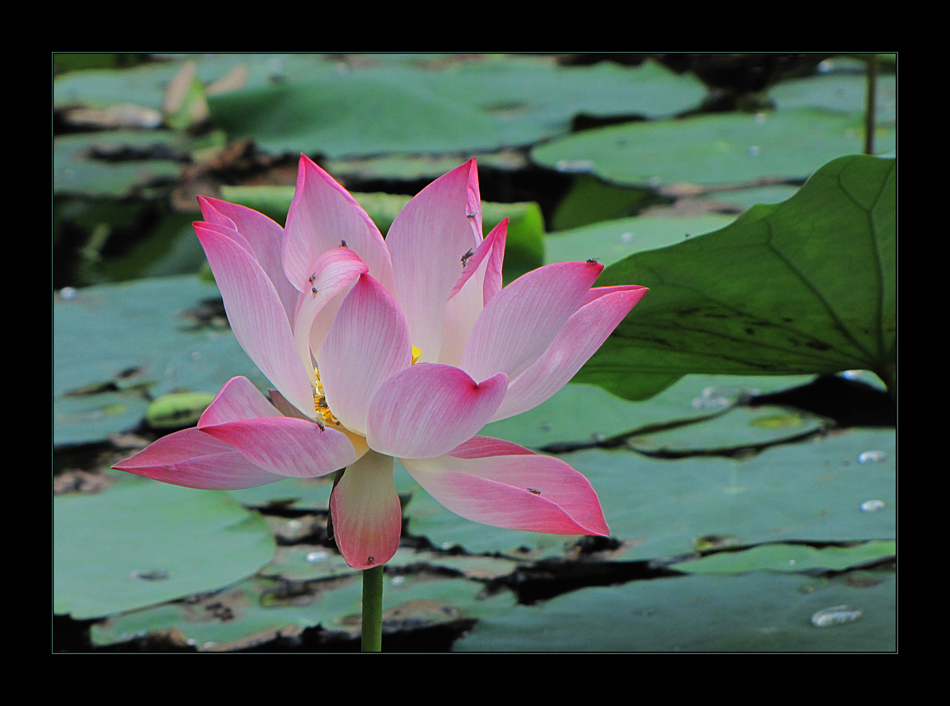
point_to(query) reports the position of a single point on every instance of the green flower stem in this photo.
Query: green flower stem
(373, 609)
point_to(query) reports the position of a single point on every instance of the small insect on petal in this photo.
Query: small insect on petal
(470, 215)
(534, 490)
(467, 256)
(343, 244)
(314, 290)
(593, 260)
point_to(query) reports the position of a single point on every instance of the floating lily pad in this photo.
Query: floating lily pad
(158, 336)
(756, 612)
(177, 410)
(842, 90)
(139, 543)
(579, 413)
(812, 491)
(800, 486)
(789, 557)
(261, 609)
(81, 164)
(479, 106)
(710, 149)
(80, 419)
(242, 616)
(610, 241)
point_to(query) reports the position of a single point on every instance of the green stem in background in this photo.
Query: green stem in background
(870, 104)
(373, 609)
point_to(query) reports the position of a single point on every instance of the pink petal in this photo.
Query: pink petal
(367, 517)
(522, 320)
(479, 282)
(483, 446)
(238, 399)
(193, 459)
(427, 241)
(334, 272)
(262, 234)
(493, 267)
(322, 215)
(429, 409)
(504, 485)
(492, 249)
(257, 315)
(473, 196)
(367, 343)
(287, 446)
(580, 338)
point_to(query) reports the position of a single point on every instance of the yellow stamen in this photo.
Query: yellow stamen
(416, 353)
(320, 403)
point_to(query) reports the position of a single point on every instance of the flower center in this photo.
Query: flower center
(324, 415)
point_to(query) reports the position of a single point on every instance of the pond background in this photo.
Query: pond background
(749, 479)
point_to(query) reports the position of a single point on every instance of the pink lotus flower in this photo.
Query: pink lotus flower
(397, 348)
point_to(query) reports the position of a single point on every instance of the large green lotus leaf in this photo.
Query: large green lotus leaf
(756, 612)
(804, 286)
(710, 149)
(140, 542)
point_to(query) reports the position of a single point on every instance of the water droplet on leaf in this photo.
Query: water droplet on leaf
(872, 505)
(835, 616)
